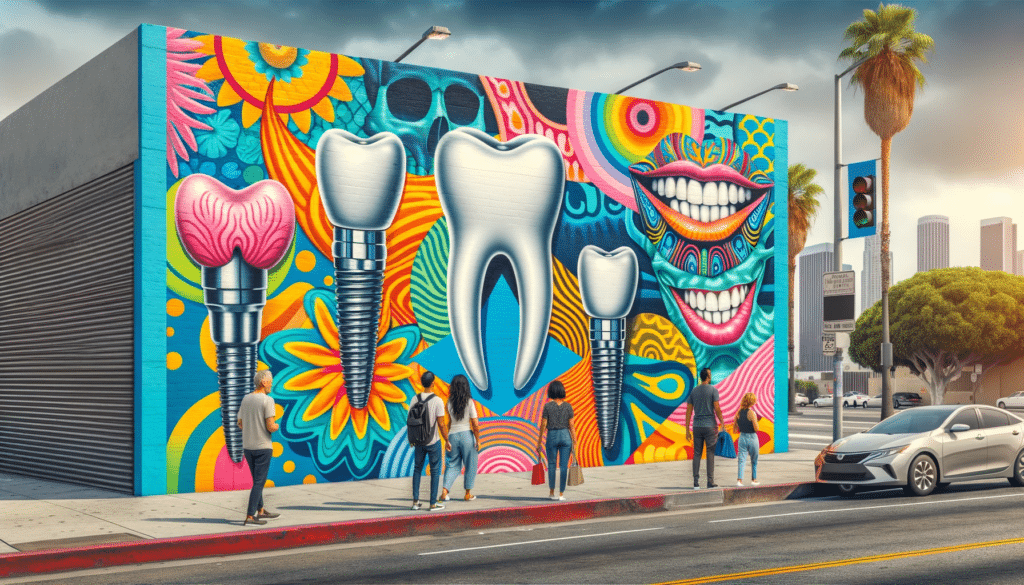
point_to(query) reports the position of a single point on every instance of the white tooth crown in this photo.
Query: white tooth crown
(607, 282)
(360, 179)
(716, 307)
(499, 198)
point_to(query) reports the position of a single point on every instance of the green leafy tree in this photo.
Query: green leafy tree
(945, 320)
(803, 206)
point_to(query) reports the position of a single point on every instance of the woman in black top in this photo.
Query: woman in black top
(557, 420)
(749, 445)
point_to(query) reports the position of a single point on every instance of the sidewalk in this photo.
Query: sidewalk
(41, 515)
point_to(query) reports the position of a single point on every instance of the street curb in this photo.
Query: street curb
(259, 540)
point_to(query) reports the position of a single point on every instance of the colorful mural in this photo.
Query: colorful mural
(350, 223)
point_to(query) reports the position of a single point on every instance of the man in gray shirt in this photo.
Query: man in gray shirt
(703, 400)
(256, 417)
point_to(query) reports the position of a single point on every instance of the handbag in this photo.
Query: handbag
(538, 474)
(575, 474)
(724, 447)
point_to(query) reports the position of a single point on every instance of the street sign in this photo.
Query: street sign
(828, 344)
(838, 311)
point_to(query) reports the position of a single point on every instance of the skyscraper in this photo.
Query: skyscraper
(998, 244)
(932, 243)
(814, 261)
(1020, 263)
(871, 274)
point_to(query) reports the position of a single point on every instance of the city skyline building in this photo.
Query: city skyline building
(871, 273)
(813, 262)
(932, 243)
(999, 244)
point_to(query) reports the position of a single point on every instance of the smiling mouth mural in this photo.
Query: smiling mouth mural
(706, 218)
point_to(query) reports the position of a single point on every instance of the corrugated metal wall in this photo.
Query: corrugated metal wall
(66, 336)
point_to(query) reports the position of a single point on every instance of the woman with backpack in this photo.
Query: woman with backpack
(463, 436)
(557, 420)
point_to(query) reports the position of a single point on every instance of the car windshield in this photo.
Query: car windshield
(913, 421)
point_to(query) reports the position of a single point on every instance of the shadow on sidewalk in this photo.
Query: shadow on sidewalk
(347, 507)
(197, 520)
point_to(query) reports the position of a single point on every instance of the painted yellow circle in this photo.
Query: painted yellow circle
(173, 360)
(175, 307)
(278, 411)
(329, 280)
(309, 479)
(305, 261)
(270, 483)
(278, 449)
(289, 466)
(170, 332)
(278, 56)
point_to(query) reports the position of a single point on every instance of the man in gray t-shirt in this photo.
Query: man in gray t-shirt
(256, 418)
(703, 400)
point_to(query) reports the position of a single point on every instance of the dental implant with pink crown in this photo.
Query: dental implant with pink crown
(235, 236)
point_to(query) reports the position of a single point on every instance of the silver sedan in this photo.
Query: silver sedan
(927, 447)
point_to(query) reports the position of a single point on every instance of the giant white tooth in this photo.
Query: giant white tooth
(733, 193)
(694, 192)
(714, 213)
(711, 301)
(735, 296)
(607, 282)
(670, 188)
(360, 181)
(499, 198)
(674, 205)
(711, 193)
(723, 194)
(716, 317)
(724, 301)
(700, 301)
(705, 213)
(684, 208)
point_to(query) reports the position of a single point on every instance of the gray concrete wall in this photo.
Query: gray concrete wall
(81, 128)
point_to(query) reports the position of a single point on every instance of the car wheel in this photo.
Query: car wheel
(865, 405)
(846, 490)
(1018, 471)
(923, 476)
(1001, 405)
(896, 404)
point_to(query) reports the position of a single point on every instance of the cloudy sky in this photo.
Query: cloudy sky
(961, 155)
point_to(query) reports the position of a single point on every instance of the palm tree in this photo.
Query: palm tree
(890, 47)
(803, 206)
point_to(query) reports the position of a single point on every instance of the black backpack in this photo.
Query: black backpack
(421, 428)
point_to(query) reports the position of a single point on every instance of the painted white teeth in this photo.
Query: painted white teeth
(675, 205)
(670, 188)
(711, 302)
(724, 300)
(723, 193)
(694, 192)
(684, 208)
(716, 307)
(710, 194)
(705, 213)
(700, 301)
(499, 198)
(714, 214)
(735, 296)
(733, 194)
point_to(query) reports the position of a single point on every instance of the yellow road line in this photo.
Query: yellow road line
(844, 562)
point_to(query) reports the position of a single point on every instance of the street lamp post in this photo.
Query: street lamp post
(438, 33)
(782, 86)
(837, 251)
(682, 66)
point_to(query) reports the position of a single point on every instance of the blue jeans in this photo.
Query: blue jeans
(259, 465)
(434, 451)
(748, 445)
(463, 453)
(560, 444)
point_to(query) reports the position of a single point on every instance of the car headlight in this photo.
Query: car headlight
(888, 452)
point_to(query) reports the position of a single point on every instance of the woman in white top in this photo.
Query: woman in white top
(463, 436)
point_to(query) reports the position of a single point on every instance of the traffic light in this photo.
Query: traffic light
(864, 201)
(862, 212)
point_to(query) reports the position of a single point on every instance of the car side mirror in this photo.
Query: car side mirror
(959, 428)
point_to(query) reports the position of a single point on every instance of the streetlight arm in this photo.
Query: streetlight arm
(655, 74)
(746, 99)
(410, 49)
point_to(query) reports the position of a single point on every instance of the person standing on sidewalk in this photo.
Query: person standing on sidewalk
(463, 436)
(557, 419)
(703, 403)
(256, 417)
(746, 425)
(431, 446)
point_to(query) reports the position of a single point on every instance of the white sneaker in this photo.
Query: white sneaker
(437, 507)
(417, 505)
(696, 487)
(560, 498)
(755, 482)
(553, 497)
(740, 484)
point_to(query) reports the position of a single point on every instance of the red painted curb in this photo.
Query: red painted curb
(168, 549)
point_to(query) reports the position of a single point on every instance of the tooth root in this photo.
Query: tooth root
(711, 301)
(723, 194)
(670, 188)
(710, 193)
(499, 198)
(705, 213)
(694, 192)
(724, 300)
(714, 213)
(735, 296)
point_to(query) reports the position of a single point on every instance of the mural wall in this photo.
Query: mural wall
(350, 223)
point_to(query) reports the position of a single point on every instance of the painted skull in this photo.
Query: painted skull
(421, 105)
(706, 216)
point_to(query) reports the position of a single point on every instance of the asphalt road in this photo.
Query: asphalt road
(958, 536)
